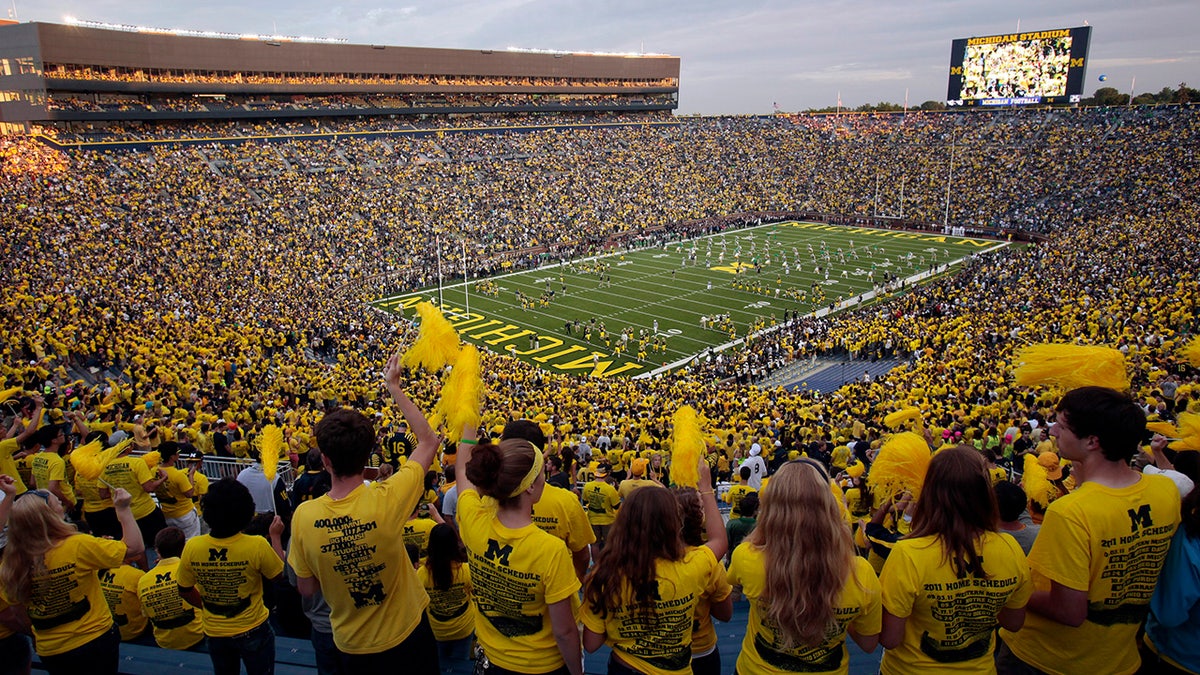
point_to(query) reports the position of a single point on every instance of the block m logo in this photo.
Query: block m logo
(1076, 63)
(496, 552)
(1140, 518)
(956, 70)
(162, 578)
(215, 554)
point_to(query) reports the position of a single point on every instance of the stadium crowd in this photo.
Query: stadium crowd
(189, 297)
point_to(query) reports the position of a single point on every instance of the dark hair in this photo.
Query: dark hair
(228, 507)
(46, 435)
(1112, 417)
(744, 472)
(498, 469)
(748, 507)
(527, 429)
(169, 542)
(646, 531)
(957, 505)
(691, 513)
(1010, 499)
(414, 553)
(313, 460)
(444, 554)
(93, 436)
(168, 450)
(346, 437)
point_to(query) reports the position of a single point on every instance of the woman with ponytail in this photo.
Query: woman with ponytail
(807, 588)
(523, 580)
(954, 579)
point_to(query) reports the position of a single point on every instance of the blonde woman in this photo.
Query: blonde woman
(807, 588)
(50, 568)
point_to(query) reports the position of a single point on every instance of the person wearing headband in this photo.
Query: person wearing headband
(523, 578)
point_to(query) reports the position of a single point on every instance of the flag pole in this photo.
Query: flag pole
(438, 243)
(466, 279)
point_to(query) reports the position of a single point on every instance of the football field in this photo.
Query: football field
(637, 312)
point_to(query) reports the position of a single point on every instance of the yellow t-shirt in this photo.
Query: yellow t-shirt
(229, 574)
(199, 489)
(951, 621)
(131, 473)
(172, 494)
(177, 624)
(1111, 543)
(734, 498)
(120, 586)
(350, 546)
(560, 513)
(858, 606)
(666, 645)
(8, 465)
(451, 613)
(68, 609)
(47, 466)
(89, 491)
(602, 501)
(416, 531)
(516, 574)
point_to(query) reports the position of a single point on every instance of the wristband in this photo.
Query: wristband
(468, 441)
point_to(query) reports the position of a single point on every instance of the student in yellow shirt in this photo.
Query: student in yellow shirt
(50, 568)
(602, 501)
(177, 625)
(1101, 548)
(120, 591)
(523, 579)
(447, 579)
(641, 596)
(345, 543)
(222, 573)
(134, 476)
(954, 578)
(706, 657)
(175, 494)
(808, 590)
(738, 492)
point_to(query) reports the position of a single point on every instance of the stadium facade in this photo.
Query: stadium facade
(71, 75)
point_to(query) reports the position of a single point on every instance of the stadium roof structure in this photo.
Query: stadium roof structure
(56, 72)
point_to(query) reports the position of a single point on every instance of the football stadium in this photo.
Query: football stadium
(325, 357)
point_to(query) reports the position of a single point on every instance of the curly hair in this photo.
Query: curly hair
(646, 530)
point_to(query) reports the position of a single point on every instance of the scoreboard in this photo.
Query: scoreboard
(1019, 68)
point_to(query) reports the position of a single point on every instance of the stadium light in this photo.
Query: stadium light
(184, 32)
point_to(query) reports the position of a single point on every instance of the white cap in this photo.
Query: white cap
(755, 450)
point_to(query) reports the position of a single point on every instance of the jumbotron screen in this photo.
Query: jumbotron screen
(1019, 68)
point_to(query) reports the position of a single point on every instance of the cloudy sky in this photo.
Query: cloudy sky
(737, 56)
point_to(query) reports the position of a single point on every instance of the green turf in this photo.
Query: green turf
(653, 284)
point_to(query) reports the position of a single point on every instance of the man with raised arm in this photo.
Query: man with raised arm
(347, 545)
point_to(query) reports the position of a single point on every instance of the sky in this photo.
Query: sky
(736, 56)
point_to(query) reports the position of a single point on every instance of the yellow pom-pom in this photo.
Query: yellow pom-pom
(687, 447)
(437, 342)
(900, 466)
(894, 420)
(89, 460)
(1036, 482)
(1191, 352)
(271, 451)
(152, 459)
(1165, 428)
(1189, 432)
(9, 394)
(462, 395)
(1070, 366)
